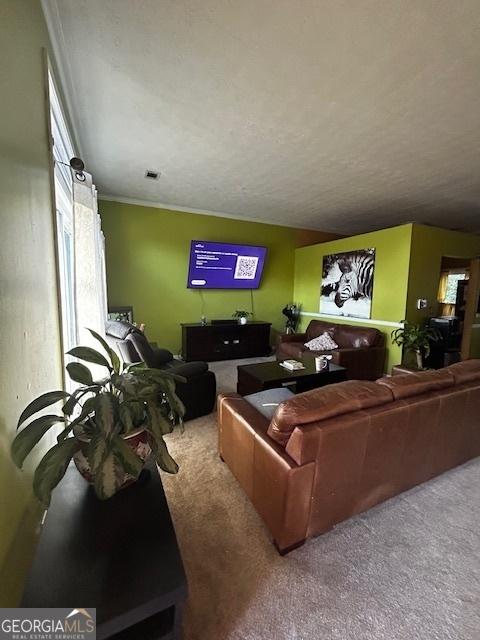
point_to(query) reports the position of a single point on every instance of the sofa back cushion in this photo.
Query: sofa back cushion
(118, 329)
(127, 351)
(414, 384)
(466, 371)
(325, 402)
(143, 348)
(348, 336)
(317, 327)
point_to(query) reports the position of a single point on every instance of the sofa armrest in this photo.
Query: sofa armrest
(292, 337)
(280, 490)
(232, 406)
(364, 363)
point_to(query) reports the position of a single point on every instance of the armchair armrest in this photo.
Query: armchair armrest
(162, 356)
(363, 363)
(188, 370)
(292, 337)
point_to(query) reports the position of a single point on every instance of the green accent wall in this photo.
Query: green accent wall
(429, 245)
(30, 336)
(147, 259)
(147, 252)
(392, 259)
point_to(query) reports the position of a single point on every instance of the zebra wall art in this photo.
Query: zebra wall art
(347, 283)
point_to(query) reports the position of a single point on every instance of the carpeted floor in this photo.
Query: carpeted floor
(407, 569)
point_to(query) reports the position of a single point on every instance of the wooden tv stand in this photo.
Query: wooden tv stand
(225, 341)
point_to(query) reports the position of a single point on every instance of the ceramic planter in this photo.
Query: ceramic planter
(137, 440)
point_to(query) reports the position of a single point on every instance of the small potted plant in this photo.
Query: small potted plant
(109, 426)
(292, 312)
(415, 340)
(241, 316)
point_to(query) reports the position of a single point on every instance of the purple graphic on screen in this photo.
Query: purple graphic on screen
(220, 265)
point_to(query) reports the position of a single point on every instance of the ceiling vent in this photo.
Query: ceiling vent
(153, 175)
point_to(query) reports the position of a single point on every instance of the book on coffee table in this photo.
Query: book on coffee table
(292, 365)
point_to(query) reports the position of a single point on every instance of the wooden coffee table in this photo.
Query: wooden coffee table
(268, 375)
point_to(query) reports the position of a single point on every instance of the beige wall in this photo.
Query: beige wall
(29, 336)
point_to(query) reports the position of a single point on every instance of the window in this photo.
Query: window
(450, 296)
(62, 152)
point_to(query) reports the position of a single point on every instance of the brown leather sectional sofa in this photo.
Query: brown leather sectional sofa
(336, 451)
(360, 349)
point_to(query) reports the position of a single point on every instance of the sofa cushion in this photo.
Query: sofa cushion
(326, 402)
(317, 327)
(324, 342)
(266, 402)
(348, 336)
(414, 384)
(466, 371)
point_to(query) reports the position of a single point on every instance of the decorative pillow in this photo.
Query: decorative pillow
(325, 342)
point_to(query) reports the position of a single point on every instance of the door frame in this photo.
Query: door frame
(471, 307)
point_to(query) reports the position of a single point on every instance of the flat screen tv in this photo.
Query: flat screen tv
(221, 265)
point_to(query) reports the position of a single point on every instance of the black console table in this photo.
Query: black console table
(119, 555)
(225, 341)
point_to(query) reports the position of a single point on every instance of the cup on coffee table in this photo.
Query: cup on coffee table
(321, 362)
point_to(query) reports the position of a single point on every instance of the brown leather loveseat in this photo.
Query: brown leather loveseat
(360, 349)
(336, 451)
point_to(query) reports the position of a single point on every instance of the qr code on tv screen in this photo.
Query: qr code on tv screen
(246, 268)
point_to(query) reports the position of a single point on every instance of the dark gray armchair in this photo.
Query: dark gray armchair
(198, 393)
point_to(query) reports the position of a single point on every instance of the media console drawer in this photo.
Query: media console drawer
(225, 341)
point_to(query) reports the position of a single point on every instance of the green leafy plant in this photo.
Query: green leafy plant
(415, 339)
(97, 417)
(240, 313)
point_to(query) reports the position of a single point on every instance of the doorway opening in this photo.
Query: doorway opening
(453, 302)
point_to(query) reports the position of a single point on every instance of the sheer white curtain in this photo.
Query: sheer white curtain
(81, 245)
(90, 280)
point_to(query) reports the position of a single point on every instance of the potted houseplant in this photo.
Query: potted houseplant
(292, 312)
(109, 426)
(415, 340)
(241, 316)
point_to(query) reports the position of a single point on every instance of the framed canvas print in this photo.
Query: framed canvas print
(347, 283)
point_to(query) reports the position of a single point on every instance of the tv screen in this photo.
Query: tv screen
(220, 265)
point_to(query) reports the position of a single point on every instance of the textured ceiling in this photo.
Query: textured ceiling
(343, 115)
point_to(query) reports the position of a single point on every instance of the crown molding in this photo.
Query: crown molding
(203, 212)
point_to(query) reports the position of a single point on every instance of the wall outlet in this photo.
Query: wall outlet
(422, 303)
